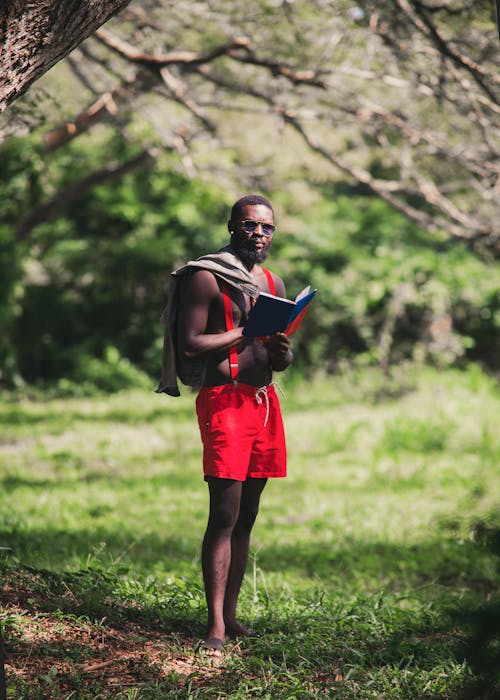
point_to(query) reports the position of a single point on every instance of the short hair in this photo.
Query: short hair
(248, 200)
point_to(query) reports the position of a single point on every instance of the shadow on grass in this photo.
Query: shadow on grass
(481, 646)
(432, 569)
(469, 627)
(71, 633)
(444, 563)
(97, 595)
(456, 584)
(132, 551)
(454, 623)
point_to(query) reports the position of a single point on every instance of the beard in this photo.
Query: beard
(247, 252)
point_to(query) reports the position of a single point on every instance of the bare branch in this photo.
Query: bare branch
(154, 69)
(126, 50)
(424, 24)
(462, 227)
(411, 146)
(180, 92)
(276, 68)
(105, 106)
(74, 62)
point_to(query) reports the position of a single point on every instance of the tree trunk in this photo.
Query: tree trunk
(36, 35)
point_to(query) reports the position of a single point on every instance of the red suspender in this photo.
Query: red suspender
(272, 289)
(270, 281)
(228, 313)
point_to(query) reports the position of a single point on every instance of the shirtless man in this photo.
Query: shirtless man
(238, 410)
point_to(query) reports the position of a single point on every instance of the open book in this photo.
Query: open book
(272, 314)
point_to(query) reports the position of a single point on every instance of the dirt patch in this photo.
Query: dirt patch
(68, 653)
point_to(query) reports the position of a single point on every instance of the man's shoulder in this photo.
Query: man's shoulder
(203, 281)
(201, 273)
(223, 265)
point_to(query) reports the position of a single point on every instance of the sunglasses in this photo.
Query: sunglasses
(250, 226)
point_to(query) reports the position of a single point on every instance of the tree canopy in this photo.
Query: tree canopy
(398, 96)
(373, 126)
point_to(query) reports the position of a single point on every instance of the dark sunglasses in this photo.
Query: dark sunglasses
(251, 226)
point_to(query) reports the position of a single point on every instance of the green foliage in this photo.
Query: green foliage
(111, 373)
(388, 291)
(93, 276)
(19, 190)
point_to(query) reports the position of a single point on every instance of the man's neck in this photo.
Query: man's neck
(251, 267)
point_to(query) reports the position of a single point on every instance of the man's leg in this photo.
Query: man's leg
(225, 495)
(240, 543)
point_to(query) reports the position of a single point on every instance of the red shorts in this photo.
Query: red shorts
(242, 432)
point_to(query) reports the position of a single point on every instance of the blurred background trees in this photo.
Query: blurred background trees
(373, 127)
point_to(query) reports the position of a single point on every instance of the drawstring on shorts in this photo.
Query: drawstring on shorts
(261, 396)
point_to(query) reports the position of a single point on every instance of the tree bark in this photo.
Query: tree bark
(36, 35)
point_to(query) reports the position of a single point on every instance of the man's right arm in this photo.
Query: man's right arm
(199, 292)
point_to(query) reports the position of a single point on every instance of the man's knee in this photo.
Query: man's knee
(225, 496)
(250, 501)
(247, 516)
(223, 517)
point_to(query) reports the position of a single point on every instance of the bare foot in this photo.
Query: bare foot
(235, 629)
(212, 646)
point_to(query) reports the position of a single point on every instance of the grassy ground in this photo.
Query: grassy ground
(374, 567)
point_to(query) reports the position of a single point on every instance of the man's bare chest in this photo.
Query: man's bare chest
(237, 304)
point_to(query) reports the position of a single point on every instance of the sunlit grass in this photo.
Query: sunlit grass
(358, 557)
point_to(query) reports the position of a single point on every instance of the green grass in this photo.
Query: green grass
(374, 565)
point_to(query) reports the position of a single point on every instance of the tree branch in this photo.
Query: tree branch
(179, 90)
(438, 211)
(65, 197)
(74, 62)
(276, 68)
(424, 24)
(153, 70)
(462, 226)
(126, 50)
(105, 106)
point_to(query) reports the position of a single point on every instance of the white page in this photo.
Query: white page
(303, 293)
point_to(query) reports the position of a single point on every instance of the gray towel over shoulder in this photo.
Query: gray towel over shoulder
(229, 268)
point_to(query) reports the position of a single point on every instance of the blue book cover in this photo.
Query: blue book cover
(273, 314)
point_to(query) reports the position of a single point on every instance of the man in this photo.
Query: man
(237, 407)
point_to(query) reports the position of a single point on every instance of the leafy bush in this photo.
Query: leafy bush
(388, 291)
(108, 374)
